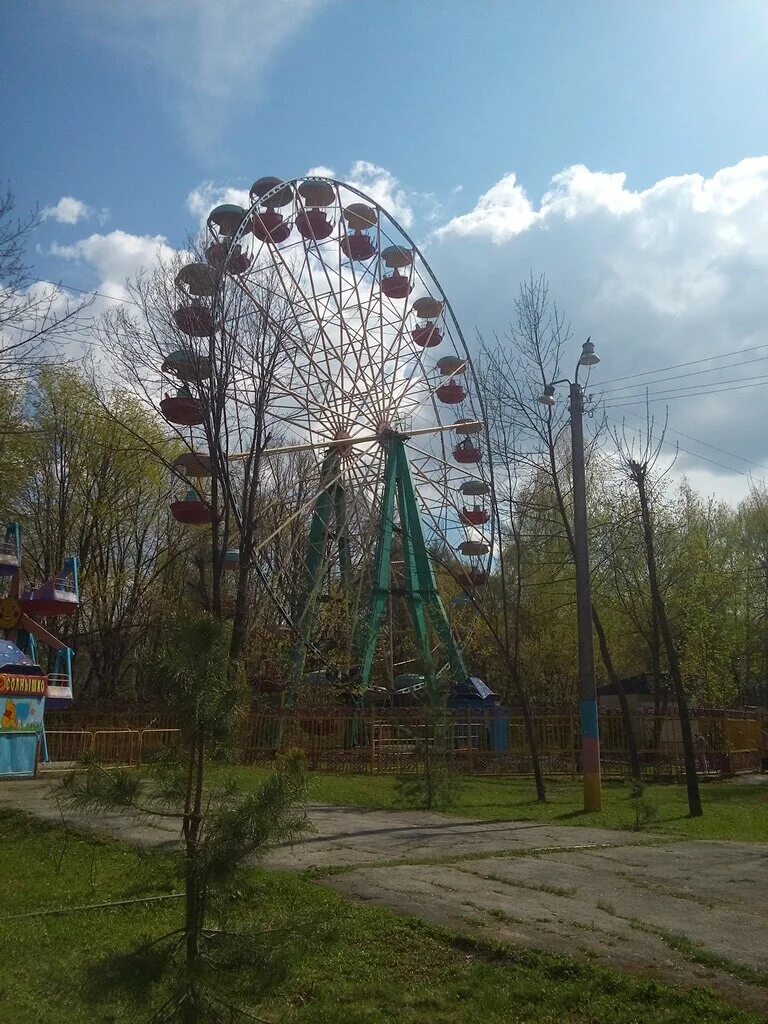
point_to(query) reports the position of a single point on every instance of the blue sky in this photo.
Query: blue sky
(131, 107)
(441, 93)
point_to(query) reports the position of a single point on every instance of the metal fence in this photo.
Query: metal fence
(397, 742)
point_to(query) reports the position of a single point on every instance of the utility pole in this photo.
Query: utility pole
(590, 735)
(590, 731)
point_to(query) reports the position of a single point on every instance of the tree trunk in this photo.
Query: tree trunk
(689, 750)
(533, 744)
(194, 896)
(655, 648)
(513, 660)
(629, 725)
(528, 724)
(240, 622)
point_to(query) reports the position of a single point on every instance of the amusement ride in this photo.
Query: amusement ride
(372, 389)
(26, 689)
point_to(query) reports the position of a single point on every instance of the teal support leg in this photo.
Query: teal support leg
(424, 604)
(414, 596)
(342, 534)
(426, 582)
(314, 567)
(369, 629)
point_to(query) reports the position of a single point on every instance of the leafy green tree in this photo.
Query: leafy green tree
(88, 487)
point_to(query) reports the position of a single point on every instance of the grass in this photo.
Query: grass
(374, 967)
(731, 810)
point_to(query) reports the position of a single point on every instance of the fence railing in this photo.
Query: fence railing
(398, 742)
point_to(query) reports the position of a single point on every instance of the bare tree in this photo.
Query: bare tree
(236, 390)
(638, 457)
(522, 364)
(505, 628)
(35, 316)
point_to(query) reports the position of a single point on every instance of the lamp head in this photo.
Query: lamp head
(588, 355)
(548, 395)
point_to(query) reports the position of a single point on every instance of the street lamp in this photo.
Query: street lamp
(590, 735)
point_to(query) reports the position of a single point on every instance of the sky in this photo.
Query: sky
(619, 148)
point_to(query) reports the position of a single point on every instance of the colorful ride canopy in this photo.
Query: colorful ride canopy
(25, 688)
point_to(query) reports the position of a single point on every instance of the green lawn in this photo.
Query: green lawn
(731, 810)
(374, 967)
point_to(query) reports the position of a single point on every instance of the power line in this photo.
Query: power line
(685, 376)
(691, 362)
(656, 397)
(83, 291)
(698, 440)
(696, 455)
(700, 384)
(695, 387)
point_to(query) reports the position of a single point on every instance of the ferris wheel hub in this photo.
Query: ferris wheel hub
(385, 433)
(338, 443)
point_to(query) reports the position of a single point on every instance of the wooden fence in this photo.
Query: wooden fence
(395, 742)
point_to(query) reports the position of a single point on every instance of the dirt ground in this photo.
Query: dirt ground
(686, 912)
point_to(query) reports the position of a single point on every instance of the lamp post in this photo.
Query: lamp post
(590, 735)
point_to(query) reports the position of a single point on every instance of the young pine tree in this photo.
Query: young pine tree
(434, 785)
(222, 827)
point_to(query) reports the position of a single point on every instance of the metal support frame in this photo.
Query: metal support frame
(424, 603)
(330, 507)
(421, 594)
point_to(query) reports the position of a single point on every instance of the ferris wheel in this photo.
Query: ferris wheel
(372, 387)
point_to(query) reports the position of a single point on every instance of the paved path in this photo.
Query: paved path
(623, 898)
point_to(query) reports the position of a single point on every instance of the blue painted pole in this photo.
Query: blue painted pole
(590, 732)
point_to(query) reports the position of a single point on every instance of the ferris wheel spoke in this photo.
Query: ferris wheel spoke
(325, 382)
(367, 483)
(321, 340)
(399, 330)
(320, 332)
(310, 405)
(374, 302)
(354, 338)
(301, 510)
(333, 299)
(307, 375)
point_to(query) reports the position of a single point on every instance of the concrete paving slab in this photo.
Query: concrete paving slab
(621, 897)
(38, 798)
(346, 836)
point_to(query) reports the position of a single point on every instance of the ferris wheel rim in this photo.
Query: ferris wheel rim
(436, 290)
(338, 184)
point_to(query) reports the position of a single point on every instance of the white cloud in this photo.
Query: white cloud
(210, 51)
(321, 172)
(501, 213)
(201, 200)
(659, 276)
(376, 182)
(69, 210)
(116, 257)
(384, 188)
